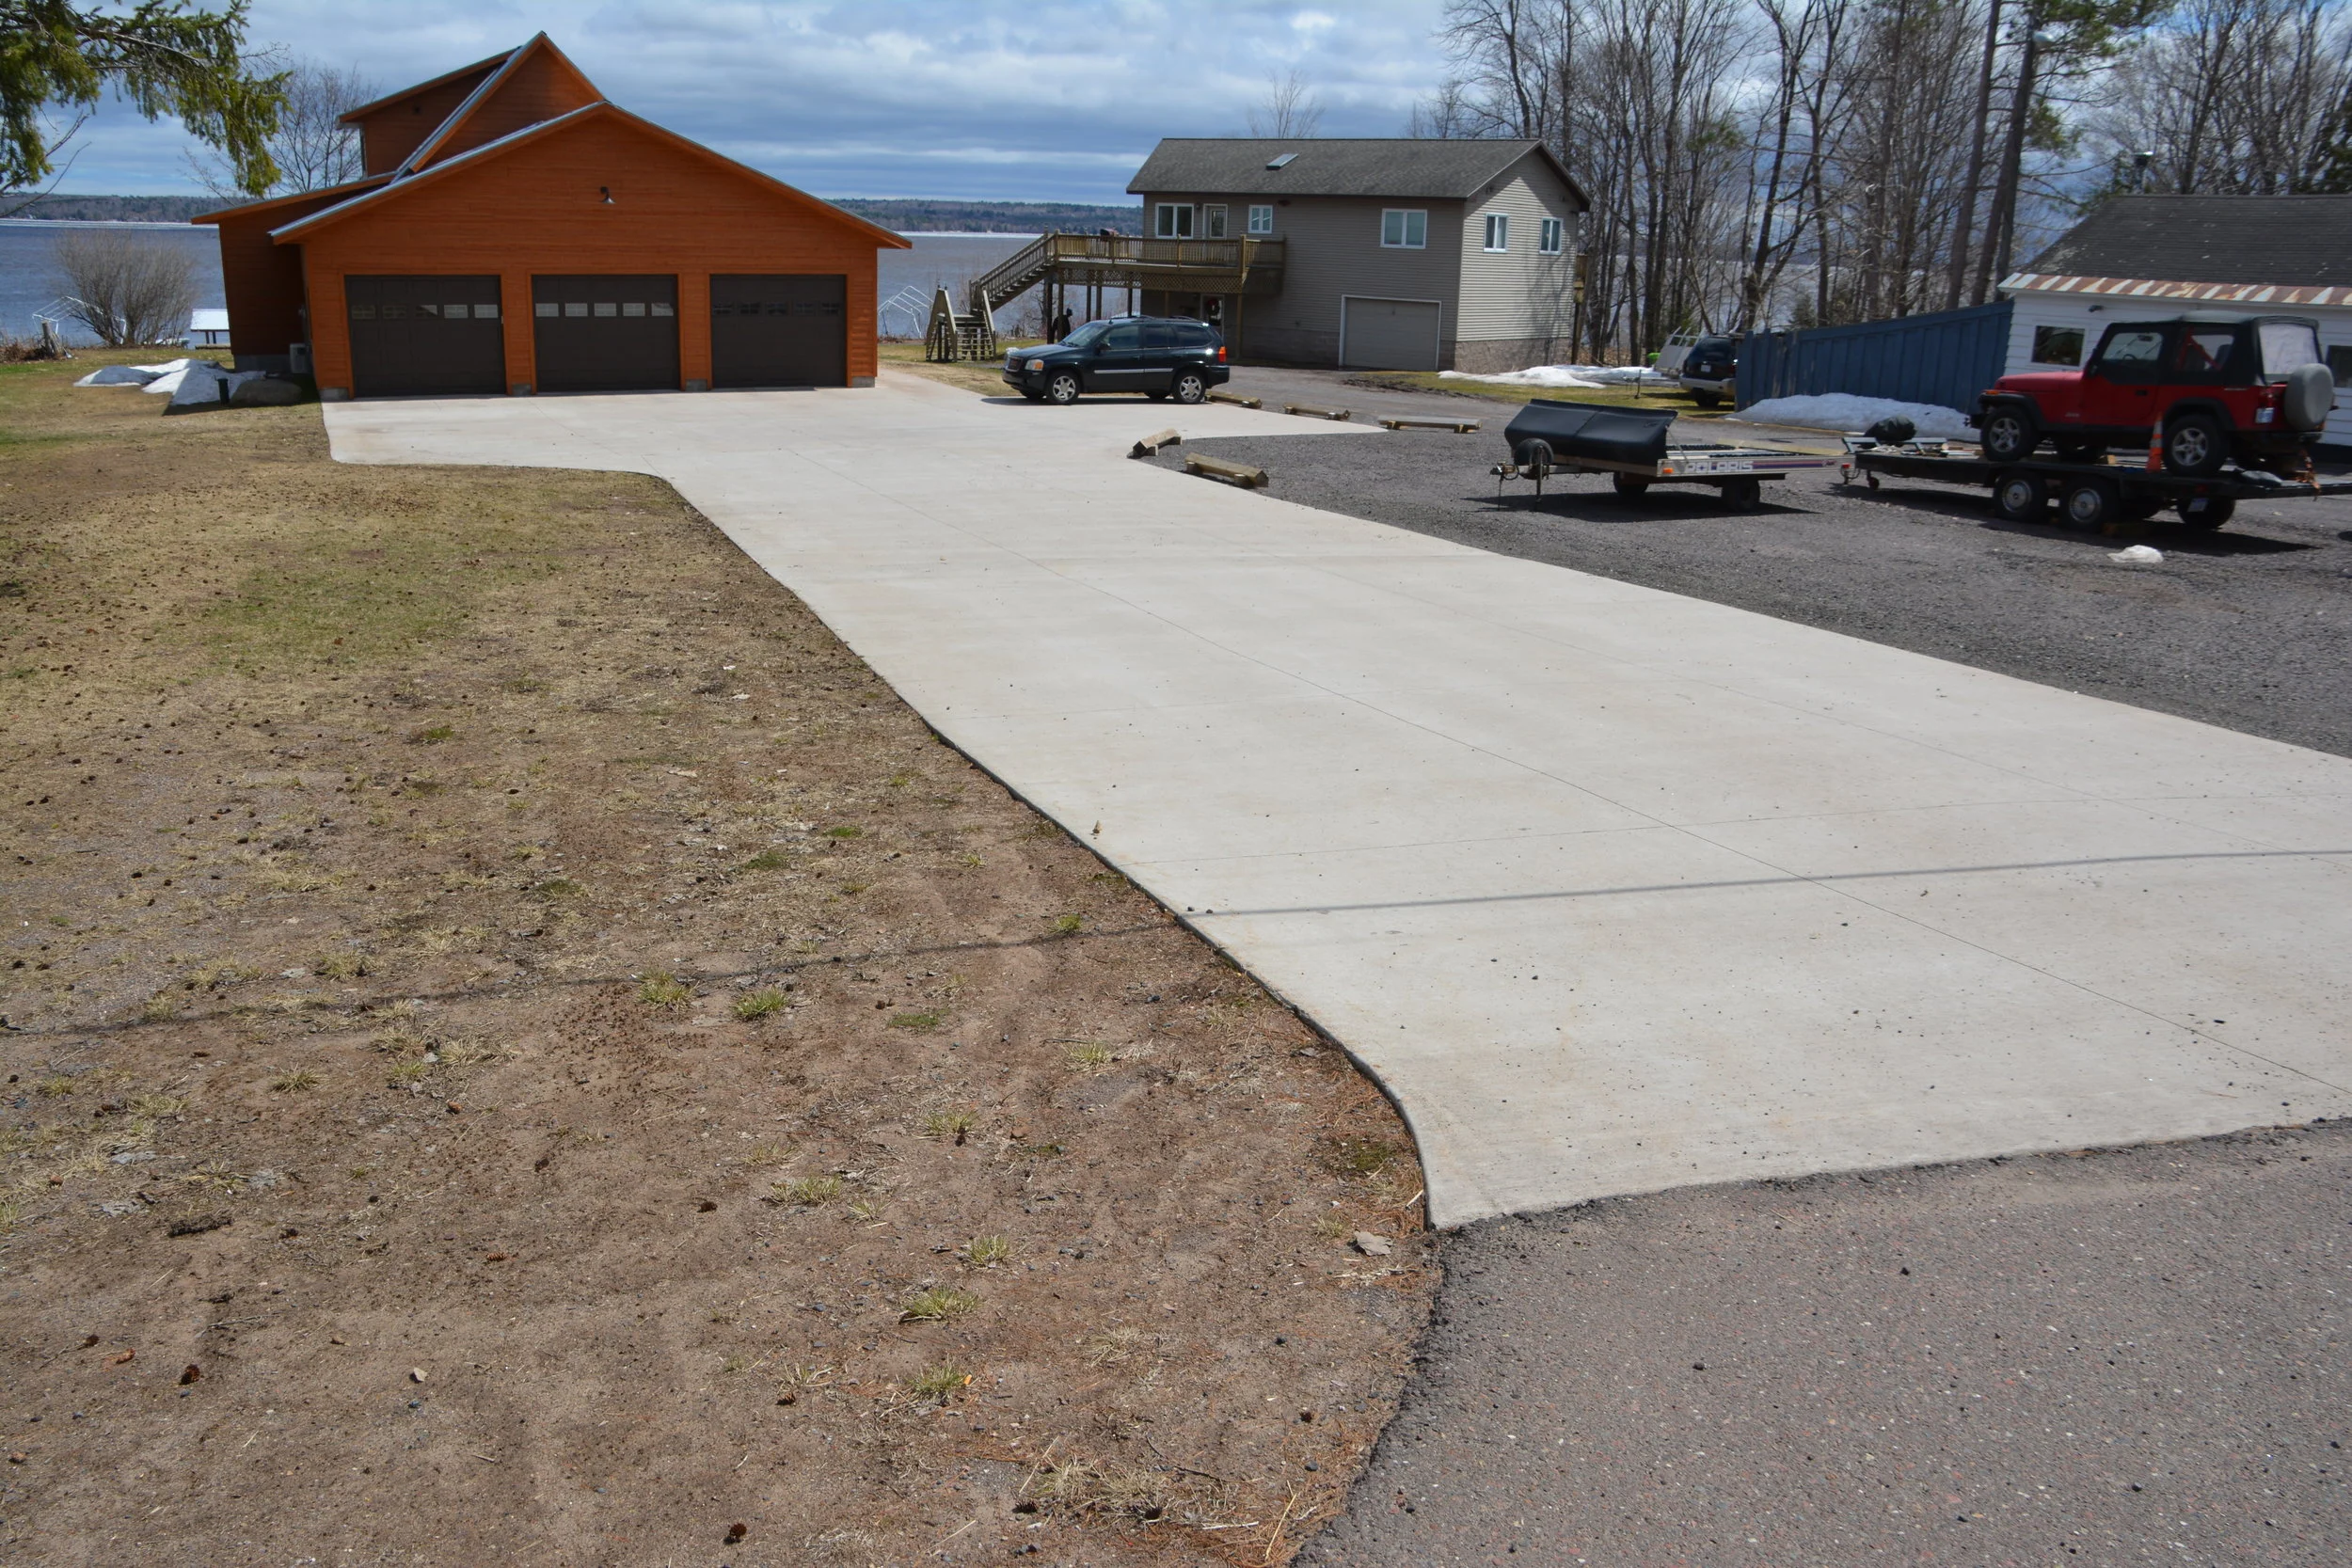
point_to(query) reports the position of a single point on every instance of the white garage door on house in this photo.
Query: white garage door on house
(1387, 334)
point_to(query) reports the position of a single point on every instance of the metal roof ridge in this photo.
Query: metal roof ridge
(456, 117)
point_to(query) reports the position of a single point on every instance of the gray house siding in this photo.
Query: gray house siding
(1518, 306)
(1333, 252)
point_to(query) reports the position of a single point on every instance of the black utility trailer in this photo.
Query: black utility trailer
(2088, 495)
(1629, 445)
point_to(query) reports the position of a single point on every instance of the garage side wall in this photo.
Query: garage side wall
(540, 210)
(262, 284)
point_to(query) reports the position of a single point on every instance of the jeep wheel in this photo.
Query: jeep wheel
(2009, 436)
(2019, 498)
(2196, 444)
(1189, 388)
(1063, 388)
(2091, 504)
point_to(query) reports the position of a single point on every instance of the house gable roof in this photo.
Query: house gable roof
(457, 165)
(2286, 241)
(377, 106)
(560, 82)
(1401, 167)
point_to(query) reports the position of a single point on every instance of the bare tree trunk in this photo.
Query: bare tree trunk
(1963, 227)
(2004, 224)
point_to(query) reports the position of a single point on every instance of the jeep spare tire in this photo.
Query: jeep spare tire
(2309, 394)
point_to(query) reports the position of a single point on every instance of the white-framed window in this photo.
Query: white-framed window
(1550, 237)
(1172, 220)
(1405, 229)
(1212, 221)
(1497, 230)
(1262, 220)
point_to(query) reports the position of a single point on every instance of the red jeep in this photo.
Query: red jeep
(2249, 389)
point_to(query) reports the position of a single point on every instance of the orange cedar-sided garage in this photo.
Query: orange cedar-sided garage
(516, 232)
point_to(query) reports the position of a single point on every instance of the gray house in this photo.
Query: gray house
(1381, 254)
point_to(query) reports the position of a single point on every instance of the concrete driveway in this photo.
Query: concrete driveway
(1614, 890)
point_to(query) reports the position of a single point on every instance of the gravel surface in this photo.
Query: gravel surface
(2110, 1357)
(2249, 627)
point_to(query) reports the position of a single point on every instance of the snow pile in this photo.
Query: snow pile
(1587, 377)
(1842, 411)
(135, 376)
(2138, 555)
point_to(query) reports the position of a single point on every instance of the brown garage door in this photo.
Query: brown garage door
(425, 335)
(605, 333)
(783, 330)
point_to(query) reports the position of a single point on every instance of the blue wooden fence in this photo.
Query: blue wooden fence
(1946, 359)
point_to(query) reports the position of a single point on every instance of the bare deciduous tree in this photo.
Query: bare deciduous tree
(312, 147)
(126, 287)
(1288, 110)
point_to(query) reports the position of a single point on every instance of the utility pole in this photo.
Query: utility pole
(1963, 227)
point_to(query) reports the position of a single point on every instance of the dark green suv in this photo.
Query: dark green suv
(1161, 356)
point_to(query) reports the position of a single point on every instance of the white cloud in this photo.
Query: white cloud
(1047, 99)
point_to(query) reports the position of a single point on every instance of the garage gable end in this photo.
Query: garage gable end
(536, 84)
(595, 171)
(392, 128)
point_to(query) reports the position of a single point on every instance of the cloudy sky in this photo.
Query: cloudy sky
(1006, 100)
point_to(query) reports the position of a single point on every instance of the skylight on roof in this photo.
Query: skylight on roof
(1282, 162)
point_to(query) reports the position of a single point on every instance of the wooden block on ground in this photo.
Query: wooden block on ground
(1150, 444)
(1241, 399)
(1307, 410)
(1231, 473)
(1459, 427)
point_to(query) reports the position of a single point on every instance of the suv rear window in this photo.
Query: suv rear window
(2287, 346)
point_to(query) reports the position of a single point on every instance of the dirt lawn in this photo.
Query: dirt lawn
(519, 1047)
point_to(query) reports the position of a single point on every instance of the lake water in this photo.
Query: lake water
(29, 286)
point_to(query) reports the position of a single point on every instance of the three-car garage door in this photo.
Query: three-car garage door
(418, 335)
(1387, 334)
(779, 329)
(605, 332)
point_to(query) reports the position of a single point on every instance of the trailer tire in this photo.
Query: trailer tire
(1631, 486)
(2019, 497)
(2091, 504)
(2219, 510)
(2009, 434)
(1743, 495)
(1535, 459)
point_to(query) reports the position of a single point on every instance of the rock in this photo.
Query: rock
(190, 1373)
(267, 392)
(416, 1374)
(132, 1156)
(117, 1207)
(1371, 1246)
(2138, 555)
(737, 1531)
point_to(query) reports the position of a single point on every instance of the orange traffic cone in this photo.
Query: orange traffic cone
(2155, 450)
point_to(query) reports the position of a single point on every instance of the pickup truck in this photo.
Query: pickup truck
(2214, 390)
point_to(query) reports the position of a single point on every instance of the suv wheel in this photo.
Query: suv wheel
(2196, 444)
(1189, 388)
(1062, 388)
(2009, 436)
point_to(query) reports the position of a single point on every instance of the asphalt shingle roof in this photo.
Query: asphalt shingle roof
(1374, 166)
(2292, 241)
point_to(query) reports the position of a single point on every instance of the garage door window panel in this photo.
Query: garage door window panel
(588, 343)
(781, 329)
(424, 336)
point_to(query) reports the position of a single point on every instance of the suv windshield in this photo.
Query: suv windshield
(1085, 336)
(2286, 347)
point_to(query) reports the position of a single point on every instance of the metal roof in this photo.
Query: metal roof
(2287, 241)
(1426, 167)
(2157, 289)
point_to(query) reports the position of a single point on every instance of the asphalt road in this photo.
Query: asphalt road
(2249, 627)
(2112, 1358)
